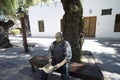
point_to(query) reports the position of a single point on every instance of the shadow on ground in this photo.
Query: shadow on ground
(109, 61)
(14, 64)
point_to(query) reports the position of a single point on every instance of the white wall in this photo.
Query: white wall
(51, 15)
(104, 24)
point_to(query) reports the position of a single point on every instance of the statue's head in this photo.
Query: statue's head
(59, 36)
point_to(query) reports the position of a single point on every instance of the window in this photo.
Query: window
(117, 23)
(106, 11)
(41, 26)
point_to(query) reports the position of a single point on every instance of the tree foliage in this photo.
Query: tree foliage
(9, 7)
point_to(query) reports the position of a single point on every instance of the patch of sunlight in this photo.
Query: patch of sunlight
(90, 45)
(111, 76)
(24, 55)
(98, 60)
(116, 45)
(2, 49)
(113, 56)
(94, 46)
(14, 53)
(55, 73)
(117, 64)
(8, 56)
(107, 50)
(15, 56)
(42, 41)
(46, 49)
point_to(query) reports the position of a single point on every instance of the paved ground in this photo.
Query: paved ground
(107, 54)
(14, 63)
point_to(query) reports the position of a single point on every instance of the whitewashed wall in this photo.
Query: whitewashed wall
(104, 24)
(51, 14)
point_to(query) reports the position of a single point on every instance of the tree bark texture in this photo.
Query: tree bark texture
(72, 25)
(27, 24)
(4, 39)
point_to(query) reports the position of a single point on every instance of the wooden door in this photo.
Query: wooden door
(90, 26)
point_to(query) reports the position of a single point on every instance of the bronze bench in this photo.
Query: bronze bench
(78, 70)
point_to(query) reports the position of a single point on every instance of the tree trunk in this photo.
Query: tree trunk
(4, 39)
(27, 24)
(72, 25)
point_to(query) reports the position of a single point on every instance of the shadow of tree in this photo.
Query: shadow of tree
(21, 69)
(37, 74)
(109, 62)
(110, 43)
(14, 64)
(13, 60)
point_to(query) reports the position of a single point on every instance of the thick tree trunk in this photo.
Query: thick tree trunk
(72, 25)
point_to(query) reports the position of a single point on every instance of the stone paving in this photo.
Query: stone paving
(107, 55)
(14, 63)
